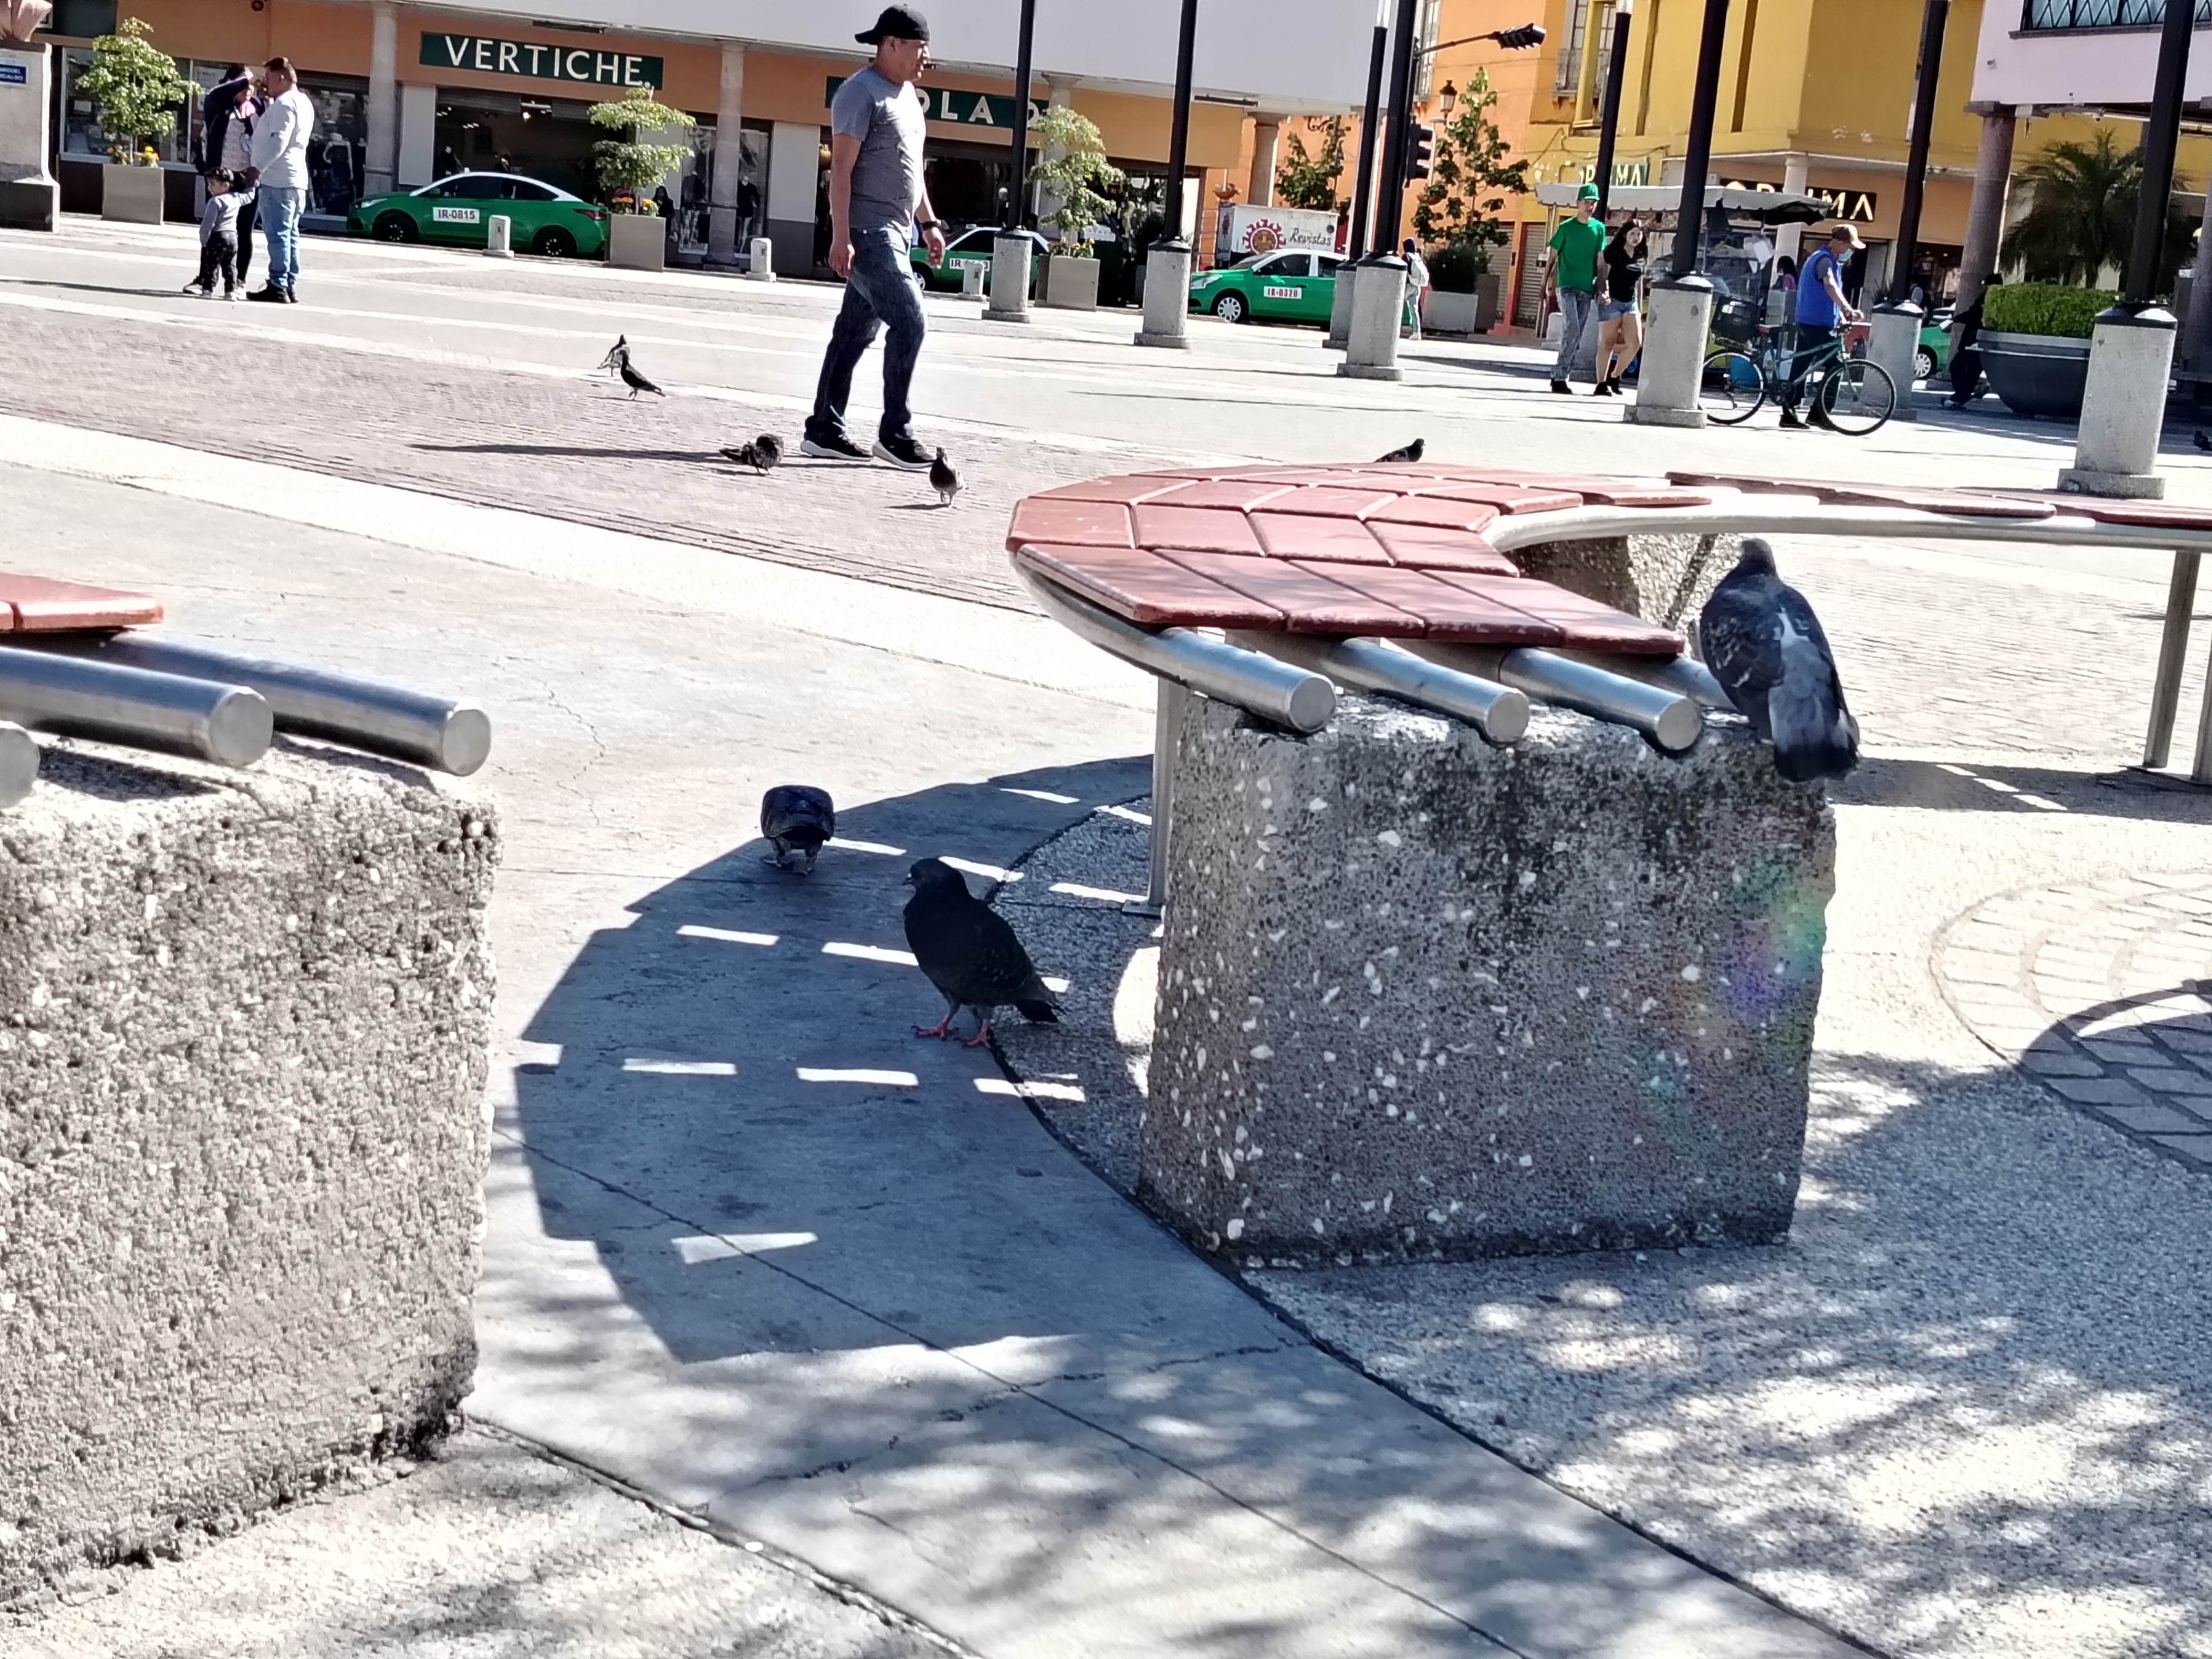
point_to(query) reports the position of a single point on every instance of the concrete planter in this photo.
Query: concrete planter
(1071, 284)
(2037, 373)
(637, 242)
(1452, 313)
(131, 194)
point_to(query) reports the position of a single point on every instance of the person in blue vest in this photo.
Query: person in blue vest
(1822, 308)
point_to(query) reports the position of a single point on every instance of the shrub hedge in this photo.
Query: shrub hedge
(2045, 308)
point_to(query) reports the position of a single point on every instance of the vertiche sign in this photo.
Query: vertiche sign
(533, 60)
(967, 109)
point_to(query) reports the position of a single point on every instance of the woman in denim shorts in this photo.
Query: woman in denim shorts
(1620, 322)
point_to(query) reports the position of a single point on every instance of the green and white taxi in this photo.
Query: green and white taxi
(458, 211)
(971, 247)
(1293, 286)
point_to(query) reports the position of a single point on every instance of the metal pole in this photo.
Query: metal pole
(1498, 712)
(1167, 735)
(228, 724)
(1390, 200)
(1932, 17)
(1179, 131)
(2173, 651)
(1363, 186)
(2159, 139)
(1616, 69)
(1690, 214)
(1021, 184)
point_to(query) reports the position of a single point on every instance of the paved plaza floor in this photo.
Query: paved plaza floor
(894, 1332)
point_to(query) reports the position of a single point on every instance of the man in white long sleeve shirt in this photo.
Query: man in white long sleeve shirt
(280, 177)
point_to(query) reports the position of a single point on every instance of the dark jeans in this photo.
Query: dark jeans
(879, 295)
(219, 256)
(1805, 340)
(1966, 372)
(244, 240)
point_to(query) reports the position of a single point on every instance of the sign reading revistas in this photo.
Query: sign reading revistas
(534, 61)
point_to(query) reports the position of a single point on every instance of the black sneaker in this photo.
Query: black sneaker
(1563, 388)
(1605, 390)
(904, 452)
(1789, 421)
(838, 447)
(270, 296)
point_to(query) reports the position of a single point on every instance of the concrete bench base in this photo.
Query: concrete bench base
(243, 1028)
(1422, 998)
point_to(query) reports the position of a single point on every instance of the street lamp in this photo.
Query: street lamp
(1447, 101)
(1616, 69)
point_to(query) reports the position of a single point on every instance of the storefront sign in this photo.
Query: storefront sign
(534, 61)
(1853, 205)
(14, 75)
(981, 110)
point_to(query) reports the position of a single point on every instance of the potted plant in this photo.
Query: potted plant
(2035, 344)
(135, 89)
(1070, 169)
(629, 167)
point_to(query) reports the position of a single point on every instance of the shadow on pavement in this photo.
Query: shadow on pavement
(1948, 786)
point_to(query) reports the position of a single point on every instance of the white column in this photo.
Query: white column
(1378, 305)
(1267, 137)
(1673, 353)
(418, 135)
(1060, 95)
(794, 167)
(729, 158)
(1790, 239)
(1985, 215)
(2124, 405)
(379, 170)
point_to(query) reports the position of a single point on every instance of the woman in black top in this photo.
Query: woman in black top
(1620, 323)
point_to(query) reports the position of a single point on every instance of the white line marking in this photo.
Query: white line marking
(869, 847)
(871, 953)
(1041, 794)
(988, 871)
(681, 1067)
(2039, 802)
(720, 1247)
(1106, 894)
(1130, 813)
(695, 930)
(998, 1086)
(890, 1080)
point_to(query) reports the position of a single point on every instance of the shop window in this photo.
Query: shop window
(80, 20)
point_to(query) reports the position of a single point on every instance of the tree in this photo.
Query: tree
(1071, 164)
(1309, 181)
(135, 87)
(626, 163)
(1469, 178)
(2081, 216)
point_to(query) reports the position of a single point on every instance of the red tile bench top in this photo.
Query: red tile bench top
(41, 605)
(1963, 503)
(1392, 551)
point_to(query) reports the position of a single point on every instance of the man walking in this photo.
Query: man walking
(1577, 246)
(876, 126)
(279, 178)
(1820, 308)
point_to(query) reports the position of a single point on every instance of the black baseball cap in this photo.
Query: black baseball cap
(897, 23)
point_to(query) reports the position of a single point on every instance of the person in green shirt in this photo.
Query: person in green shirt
(1577, 267)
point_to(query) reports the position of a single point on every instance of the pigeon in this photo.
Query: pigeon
(761, 454)
(2203, 442)
(635, 381)
(1412, 452)
(943, 480)
(618, 354)
(1765, 646)
(797, 818)
(969, 953)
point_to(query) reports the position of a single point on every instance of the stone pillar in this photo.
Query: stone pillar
(1267, 135)
(1011, 258)
(1985, 215)
(30, 199)
(2197, 326)
(1167, 297)
(2124, 405)
(729, 158)
(1339, 306)
(1895, 343)
(794, 169)
(1060, 95)
(1790, 239)
(1379, 308)
(379, 172)
(418, 135)
(1673, 353)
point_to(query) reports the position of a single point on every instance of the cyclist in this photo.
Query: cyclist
(1820, 308)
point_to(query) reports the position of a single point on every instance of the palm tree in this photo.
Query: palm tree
(2081, 216)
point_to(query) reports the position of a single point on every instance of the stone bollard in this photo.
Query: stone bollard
(1167, 297)
(241, 1156)
(1009, 301)
(972, 273)
(1674, 354)
(1339, 306)
(760, 265)
(1378, 304)
(499, 237)
(1893, 345)
(2124, 405)
(1422, 998)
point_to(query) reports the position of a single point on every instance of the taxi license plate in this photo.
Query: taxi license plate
(455, 215)
(1272, 293)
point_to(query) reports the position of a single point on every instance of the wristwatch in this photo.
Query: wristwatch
(928, 224)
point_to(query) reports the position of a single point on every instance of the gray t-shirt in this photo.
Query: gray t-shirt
(887, 119)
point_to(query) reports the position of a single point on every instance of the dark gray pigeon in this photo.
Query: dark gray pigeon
(618, 354)
(797, 818)
(635, 381)
(969, 953)
(1412, 452)
(1765, 646)
(943, 480)
(762, 454)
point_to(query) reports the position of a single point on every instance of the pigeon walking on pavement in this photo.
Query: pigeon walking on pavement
(943, 480)
(1765, 646)
(618, 354)
(635, 381)
(1412, 452)
(969, 954)
(761, 454)
(797, 818)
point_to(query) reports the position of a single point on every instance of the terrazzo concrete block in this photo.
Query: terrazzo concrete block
(243, 1039)
(1422, 998)
(1663, 579)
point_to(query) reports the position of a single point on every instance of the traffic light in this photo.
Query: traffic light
(1420, 150)
(1521, 39)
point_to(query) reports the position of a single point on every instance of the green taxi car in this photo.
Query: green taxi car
(1293, 286)
(970, 247)
(459, 211)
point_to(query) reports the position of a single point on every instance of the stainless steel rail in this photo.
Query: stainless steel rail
(50, 692)
(1276, 691)
(19, 762)
(1499, 713)
(428, 731)
(1684, 674)
(1671, 719)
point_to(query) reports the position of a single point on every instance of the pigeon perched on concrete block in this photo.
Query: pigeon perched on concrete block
(762, 454)
(1412, 452)
(1765, 646)
(943, 480)
(969, 954)
(797, 818)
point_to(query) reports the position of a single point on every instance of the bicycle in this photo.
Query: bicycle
(1851, 394)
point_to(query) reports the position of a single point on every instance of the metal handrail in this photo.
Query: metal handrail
(1499, 713)
(228, 724)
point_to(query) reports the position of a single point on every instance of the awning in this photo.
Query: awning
(1772, 207)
